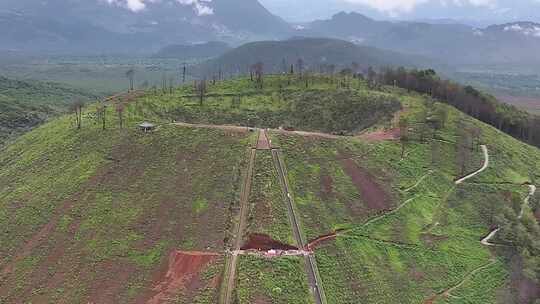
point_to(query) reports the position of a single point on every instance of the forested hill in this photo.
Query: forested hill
(484, 107)
(26, 104)
(317, 54)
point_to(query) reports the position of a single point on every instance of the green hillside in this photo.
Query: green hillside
(107, 214)
(26, 104)
(317, 53)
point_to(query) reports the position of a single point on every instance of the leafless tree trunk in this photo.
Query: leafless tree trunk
(120, 111)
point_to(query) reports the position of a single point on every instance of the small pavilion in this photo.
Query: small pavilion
(147, 127)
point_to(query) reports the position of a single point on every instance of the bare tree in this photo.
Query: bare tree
(201, 90)
(476, 135)
(171, 84)
(404, 134)
(77, 109)
(164, 83)
(101, 114)
(371, 77)
(130, 74)
(422, 124)
(300, 66)
(284, 66)
(258, 70)
(184, 70)
(120, 112)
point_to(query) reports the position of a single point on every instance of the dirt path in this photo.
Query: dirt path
(532, 191)
(311, 265)
(484, 167)
(263, 143)
(230, 272)
(448, 292)
(419, 181)
(485, 241)
(309, 134)
(245, 129)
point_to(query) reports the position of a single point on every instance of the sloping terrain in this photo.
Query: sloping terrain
(102, 212)
(207, 213)
(316, 53)
(26, 104)
(97, 26)
(451, 43)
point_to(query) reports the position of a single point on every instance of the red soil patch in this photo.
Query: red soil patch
(381, 135)
(263, 242)
(182, 273)
(321, 239)
(431, 300)
(372, 193)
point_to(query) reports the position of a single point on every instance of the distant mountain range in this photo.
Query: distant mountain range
(104, 26)
(517, 42)
(97, 26)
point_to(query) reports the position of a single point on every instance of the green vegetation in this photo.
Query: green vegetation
(268, 213)
(278, 56)
(324, 194)
(431, 243)
(100, 75)
(279, 281)
(98, 205)
(27, 104)
(284, 101)
(93, 214)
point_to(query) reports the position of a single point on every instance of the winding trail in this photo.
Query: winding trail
(485, 241)
(484, 167)
(532, 191)
(419, 181)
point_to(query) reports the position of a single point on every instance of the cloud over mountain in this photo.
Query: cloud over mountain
(200, 7)
(400, 6)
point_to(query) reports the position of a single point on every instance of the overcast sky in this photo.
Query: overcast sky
(479, 10)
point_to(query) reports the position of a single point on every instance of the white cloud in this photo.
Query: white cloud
(395, 7)
(132, 5)
(201, 7)
(532, 30)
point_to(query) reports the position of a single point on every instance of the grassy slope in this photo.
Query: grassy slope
(321, 107)
(26, 104)
(268, 213)
(279, 281)
(120, 201)
(431, 243)
(116, 202)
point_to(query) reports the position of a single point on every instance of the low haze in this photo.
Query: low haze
(472, 11)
